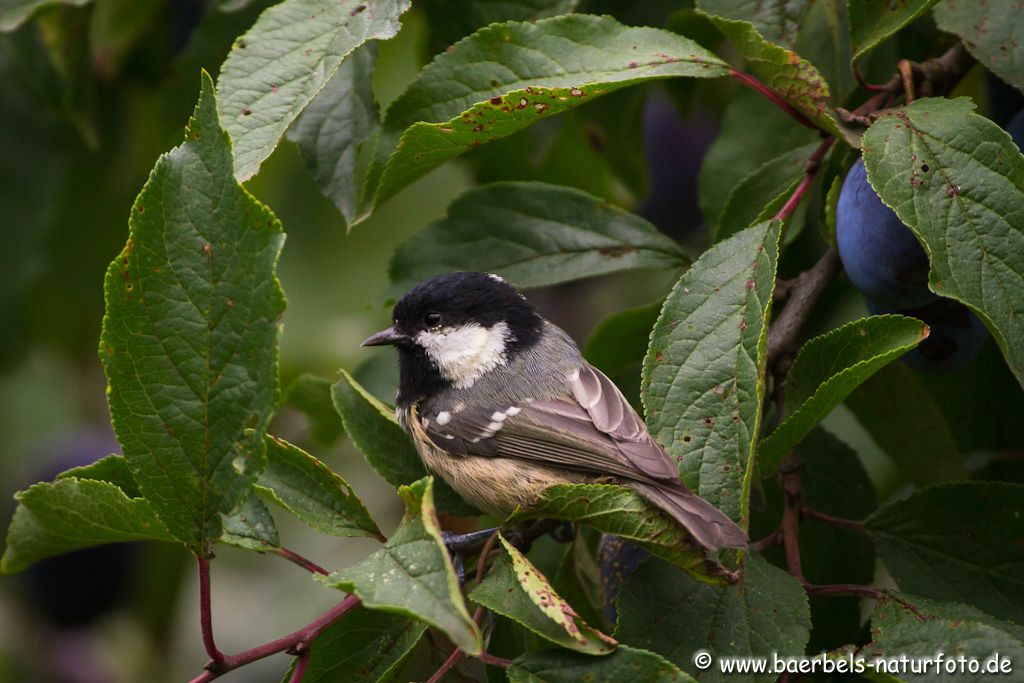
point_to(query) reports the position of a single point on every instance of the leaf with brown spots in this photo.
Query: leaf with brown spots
(516, 589)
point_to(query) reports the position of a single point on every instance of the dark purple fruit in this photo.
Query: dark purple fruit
(955, 336)
(882, 257)
(616, 561)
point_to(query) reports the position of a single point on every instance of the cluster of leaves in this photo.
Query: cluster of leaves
(189, 339)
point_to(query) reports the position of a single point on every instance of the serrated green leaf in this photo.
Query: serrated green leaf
(545, 67)
(621, 512)
(663, 610)
(903, 418)
(413, 573)
(251, 526)
(69, 514)
(376, 433)
(312, 396)
(828, 368)
(915, 627)
(366, 646)
(532, 234)
(703, 377)
(872, 22)
(741, 148)
(783, 70)
(451, 20)
(957, 542)
(189, 341)
(308, 489)
(967, 208)
(759, 195)
(13, 13)
(276, 67)
(515, 588)
(992, 31)
(333, 126)
(625, 664)
(112, 469)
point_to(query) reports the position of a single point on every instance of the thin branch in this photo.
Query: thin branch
(810, 172)
(447, 666)
(851, 589)
(805, 293)
(206, 615)
(493, 660)
(790, 481)
(907, 77)
(775, 98)
(834, 521)
(301, 664)
(774, 538)
(308, 565)
(296, 641)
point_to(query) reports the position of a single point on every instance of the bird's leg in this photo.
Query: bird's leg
(461, 545)
(564, 532)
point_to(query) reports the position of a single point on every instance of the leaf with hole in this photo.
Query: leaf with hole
(957, 181)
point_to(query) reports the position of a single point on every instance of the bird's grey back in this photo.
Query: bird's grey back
(538, 372)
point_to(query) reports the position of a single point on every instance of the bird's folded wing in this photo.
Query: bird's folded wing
(591, 428)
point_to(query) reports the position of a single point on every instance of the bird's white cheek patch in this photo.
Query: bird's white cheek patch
(464, 353)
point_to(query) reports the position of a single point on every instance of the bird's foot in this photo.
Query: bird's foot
(461, 545)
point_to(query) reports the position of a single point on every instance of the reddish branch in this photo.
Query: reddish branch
(297, 642)
(308, 565)
(206, 612)
(777, 99)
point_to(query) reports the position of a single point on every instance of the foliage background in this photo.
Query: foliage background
(94, 94)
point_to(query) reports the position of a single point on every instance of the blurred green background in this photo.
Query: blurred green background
(91, 96)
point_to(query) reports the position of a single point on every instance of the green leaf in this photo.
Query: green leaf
(834, 482)
(69, 514)
(967, 208)
(376, 433)
(312, 395)
(621, 512)
(413, 574)
(992, 31)
(625, 664)
(507, 76)
(13, 13)
(916, 627)
(759, 195)
(451, 20)
(282, 62)
(112, 469)
(618, 344)
(703, 377)
(783, 70)
(189, 339)
(308, 489)
(532, 234)
(741, 148)
(516, 589)
(957, 542)
(333, 126)
(778, 22)
(828, 368)
(365, 647)
(664, 610)
(903, 418)
(873, 22)
(251, 526)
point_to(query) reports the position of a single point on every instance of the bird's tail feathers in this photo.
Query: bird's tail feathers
(708, 525)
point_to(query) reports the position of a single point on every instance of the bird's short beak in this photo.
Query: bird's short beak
(385, 337)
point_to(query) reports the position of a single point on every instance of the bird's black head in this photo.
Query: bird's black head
(452, 328)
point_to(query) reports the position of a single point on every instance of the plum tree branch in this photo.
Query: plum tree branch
(297, 642)
(773, 96)
(206, 612)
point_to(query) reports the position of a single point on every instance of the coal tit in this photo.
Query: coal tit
(501, 404)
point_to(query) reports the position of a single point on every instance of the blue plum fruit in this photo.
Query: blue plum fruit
(955, 336)
(616, 561)
(1016, 129)
(882, 258)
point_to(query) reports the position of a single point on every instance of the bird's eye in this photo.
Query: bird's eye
(432, 319)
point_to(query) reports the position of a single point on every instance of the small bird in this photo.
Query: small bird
(501, 404)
